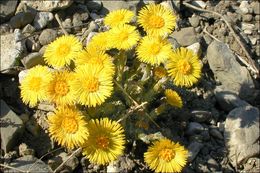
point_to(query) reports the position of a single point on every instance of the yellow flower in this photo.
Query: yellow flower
(159, 72)
(68, 127)
(92, 84)
(118, 17)
(100, 41)
(97, 57)
(156, 19)
(105, 142)
(173, 98)
(153, 50)
(166, 156)
(61, 51)
(124, 37)
(184, 67)
(33, 86)
(59, 88)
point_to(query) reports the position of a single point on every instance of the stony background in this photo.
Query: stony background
(219, 123)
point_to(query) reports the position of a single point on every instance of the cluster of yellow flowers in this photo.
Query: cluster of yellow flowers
(84, 76)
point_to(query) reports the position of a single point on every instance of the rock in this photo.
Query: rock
(244, 7)
(228, 100)
(199, 3)
(76, 20)
(46, 5)
(28, 29)
(194, 148)
(225, 68)
(185, 37)
(256, 7)
(242, 134)
(247, 17)
(21, 19)
(94, 5)
(25, 150)
(116, 5)
(212, 164)
(32, 60)
(201, 116)
(252, 165)
(11, 128)
(112, 167)
(67, 23)
(194, 128)
(174, 43)
(247, 26)
(215, 133)
(194, 21)
(11, 50)
(42, 19)
(7, 10)
(29, 163)
(70, 165)
(47, 36)
(5, 28)
(22, 75)
(196, 48)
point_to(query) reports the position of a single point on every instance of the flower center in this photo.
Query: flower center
(35, 83)
(123, 35)
(167, 154)
(61, 88)
(63, 50)
(156, 21)
(69, 125)
(155, 48)
(91, 84)
(103, 142)
(120, 17)
(184, 66)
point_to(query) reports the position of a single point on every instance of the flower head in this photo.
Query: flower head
(166, 156)
(124, 37)
(68, 127)
(33, 86)
(97, 57)
(159, 72)
(105, 142)
(92, 84)
(156, 19)
(118, 17)
(153, 50)
(100, 41)
(184, 67)
(173, 98)
(61, 51)
(59, 88)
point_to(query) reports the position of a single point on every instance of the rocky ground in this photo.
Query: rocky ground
(219, 123)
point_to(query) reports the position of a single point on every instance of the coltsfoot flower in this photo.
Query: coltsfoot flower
(156, 19)
(34, 85)
(68, 127)
(184, 67)
(105, 142)
(124, 37)
(159, 72)
(92, 84)
(166, 156)
(153, 50)
(118, 17)
(59, 88)
(62, 51)
(100, 41)
(173, 98)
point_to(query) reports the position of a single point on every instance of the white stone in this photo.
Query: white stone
(112, 168)
(196, 48)
(22, 75)
(247, 26)
(199, 3)
(244, 7)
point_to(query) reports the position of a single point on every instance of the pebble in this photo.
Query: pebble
(186, 36)
(244, 7)
(199, 3)
(194, 128)
(21, 19)
(94, 5)
(194, 21)
(194, 148)
(42, 19)
(7, 10)
(196, 48)
(47, 36)
(256, 7)
(200, 116)
(212, 164)
(28, 29)
(215, 133)
(32, 60)
(247, 17)
(25, 150)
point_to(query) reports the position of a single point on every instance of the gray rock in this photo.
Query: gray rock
(225, 67)
(5, 28)
(11, 128)
(46, 5)
(201, 116)
(174, 43)
(194, 128)
(76, 20)
(228, 100)
(28, 163)
(109, 6)
(94, 5)
(247, 17)
(194, 148)
(256, 7)
(212, 164)
(28, 29)
(21, 19)
(47, 36)
(215, 133)
(25, 150)
(244, 7)
(7, 10)
(186, 36)
(32, 60)
(42, 19)
(196, 48)
(11, 50)
(70, 165)
(242, 134)
(194, 21)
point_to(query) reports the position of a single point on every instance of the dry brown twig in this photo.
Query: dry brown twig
(248, 61)
(60, 23)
